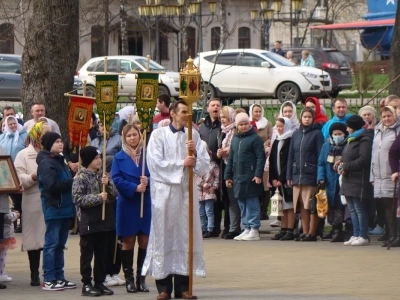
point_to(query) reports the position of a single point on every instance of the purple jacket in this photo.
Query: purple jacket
(394, 155)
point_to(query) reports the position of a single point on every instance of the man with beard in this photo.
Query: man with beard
(210, 132)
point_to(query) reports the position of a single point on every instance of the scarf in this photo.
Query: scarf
(9, 133)
(335, 151)
(35, 135)
(287, 131)
(133, 153)
(263, 122)
(354, 135)
(229, 134)
(293, 120)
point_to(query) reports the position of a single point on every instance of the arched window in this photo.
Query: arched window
(97, 40)
(191, 41)
(215, 38)
(244, 38)
(7, 38)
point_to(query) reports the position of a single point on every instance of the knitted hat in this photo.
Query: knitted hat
(367, 108)
(338, 126)
(355, 122)
(241, 117)
(88, 154)
(48, 139)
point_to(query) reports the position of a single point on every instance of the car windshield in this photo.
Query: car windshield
(152, 65)
(338, 58)
(278, 59)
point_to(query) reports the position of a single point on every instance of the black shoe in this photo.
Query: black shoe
(2, 286)
(386, 243)
(279, 235)
(289, 236)
(89, 290)
(130, 286)
(328, 236)
(207, 234)
(141, 285)
(103, 289)
(35, 279)
(215, 233)
(337, 237)
(300, 237)
(395, 243)
(309, 238)
(384, 237)
(232, 235)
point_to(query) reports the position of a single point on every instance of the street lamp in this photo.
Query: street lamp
(267, 15)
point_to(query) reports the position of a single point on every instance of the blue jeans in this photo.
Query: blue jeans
(250, 209)
(206, 208)
(358, 216)
(53, 250)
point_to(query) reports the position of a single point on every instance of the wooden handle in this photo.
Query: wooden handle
(103, 213)
(143, 171)
(190, 250)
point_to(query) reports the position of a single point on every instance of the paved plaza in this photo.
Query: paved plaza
(252, 270)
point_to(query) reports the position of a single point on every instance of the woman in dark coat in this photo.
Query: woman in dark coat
(127, 176)
(277, 176)
(305, 147)
(355, 167)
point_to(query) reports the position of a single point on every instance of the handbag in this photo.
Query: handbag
(319, 202)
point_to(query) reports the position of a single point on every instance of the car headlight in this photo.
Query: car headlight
(309, 75)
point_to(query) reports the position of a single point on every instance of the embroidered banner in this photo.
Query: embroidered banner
(106, 98)
(146, 97)
(79, 119)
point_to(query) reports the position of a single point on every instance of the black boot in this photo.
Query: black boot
(127, 266)
(34, 262)
(90, 291)
(141, 285)
(289, 236)
(103, 289)
(279, 235)
(2, 286)
(337, 236)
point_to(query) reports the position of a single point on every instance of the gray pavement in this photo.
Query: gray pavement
(253, 270)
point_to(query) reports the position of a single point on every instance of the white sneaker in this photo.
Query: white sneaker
(240, 236)
(116, 278)
(5, 278)
(110, 281)
(360, 242)
(351, 240)
(275, 223)
(253, 235)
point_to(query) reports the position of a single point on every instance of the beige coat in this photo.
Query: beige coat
(33, 226)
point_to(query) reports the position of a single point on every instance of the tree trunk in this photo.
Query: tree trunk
(224, 26)
(123, 16)
(395, 56)
(106, 33)
(50, 58)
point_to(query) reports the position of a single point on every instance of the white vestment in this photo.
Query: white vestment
(167, 251)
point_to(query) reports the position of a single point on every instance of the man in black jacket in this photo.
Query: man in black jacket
(210, 132)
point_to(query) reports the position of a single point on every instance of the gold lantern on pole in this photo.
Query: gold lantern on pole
(190, 79)
(276, 204)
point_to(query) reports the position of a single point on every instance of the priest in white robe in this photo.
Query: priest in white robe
(168, 161)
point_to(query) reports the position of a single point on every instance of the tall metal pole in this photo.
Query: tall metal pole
(157, 42)
(291, 25)
(200, 30)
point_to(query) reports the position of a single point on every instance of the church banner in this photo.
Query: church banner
(79, 119)
(146, 97)
(106, 98)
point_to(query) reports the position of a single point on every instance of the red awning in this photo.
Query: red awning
(355, 25)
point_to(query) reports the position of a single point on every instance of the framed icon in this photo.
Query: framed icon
(9, 182)
(147, 91)
(80, 115)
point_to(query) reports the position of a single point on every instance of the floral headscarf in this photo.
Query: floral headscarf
(35, 134)
(133, 153)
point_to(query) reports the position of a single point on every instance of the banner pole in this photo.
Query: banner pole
(103, 215)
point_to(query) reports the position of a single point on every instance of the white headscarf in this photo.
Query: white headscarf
(8, 131)
(263, 122)
(124, 113)
(287, 130)
(293, 120)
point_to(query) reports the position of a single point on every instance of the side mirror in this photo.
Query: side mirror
(17, 71)
(265, 64)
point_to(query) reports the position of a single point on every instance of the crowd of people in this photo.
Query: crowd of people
(239, 158)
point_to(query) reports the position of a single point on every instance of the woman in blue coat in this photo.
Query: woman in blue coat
(127, 176)
(331, 153)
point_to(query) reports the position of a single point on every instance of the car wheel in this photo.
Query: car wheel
(289, 92)
(162, 89)
(207, 93)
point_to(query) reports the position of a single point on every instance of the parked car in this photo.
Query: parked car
(10, 78)
(332, 61)
(253, 73)
(168, 82)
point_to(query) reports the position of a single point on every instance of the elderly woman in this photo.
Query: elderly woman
(227, 116)
(368, 113)
(33, 228)
(290, 56)
(385, 134)
(307, 59)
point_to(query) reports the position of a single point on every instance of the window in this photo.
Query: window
(97, 40)
(8, 66)
(7, 38)
(112, 66)
(215, 38)
(250, 60)
(191, 42)
(229, 59)
(127, 66)
(244, 38)
(164, 46)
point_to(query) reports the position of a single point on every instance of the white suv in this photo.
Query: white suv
(251, 73)
(168, 82)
